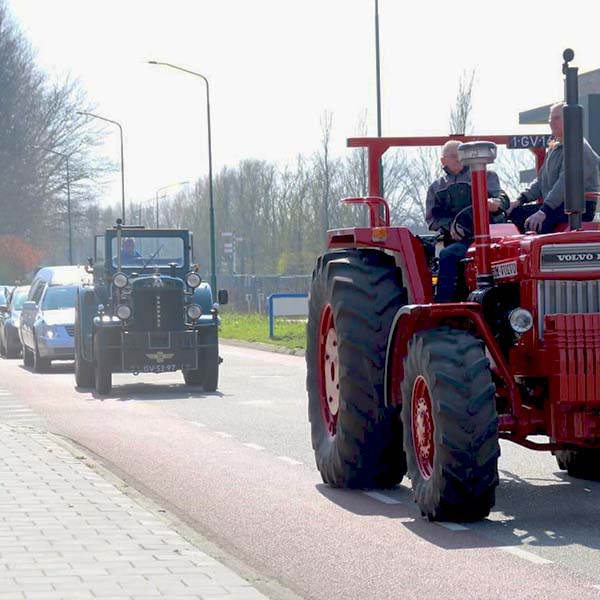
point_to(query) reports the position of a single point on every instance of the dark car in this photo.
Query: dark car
(10, 344)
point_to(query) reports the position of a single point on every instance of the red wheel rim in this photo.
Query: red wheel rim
(329, 376)
(422, 427)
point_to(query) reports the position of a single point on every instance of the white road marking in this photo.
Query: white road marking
(254, 446)
(267, 376)
(197, 424)
(530, 556)
(289, 460)
(3, 393)
(223, 434)
(382, 498)
(452, 526)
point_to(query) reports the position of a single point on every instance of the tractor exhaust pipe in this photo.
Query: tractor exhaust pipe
(477, 155)
(573, 142)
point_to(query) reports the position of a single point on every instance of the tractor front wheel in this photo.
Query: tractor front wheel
(356, 438)
(450, 425)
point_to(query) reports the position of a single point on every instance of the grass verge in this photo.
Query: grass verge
(255, 328)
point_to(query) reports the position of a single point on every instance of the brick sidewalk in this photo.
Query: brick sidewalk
(65, 532)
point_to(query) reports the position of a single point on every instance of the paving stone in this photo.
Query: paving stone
(66, 533)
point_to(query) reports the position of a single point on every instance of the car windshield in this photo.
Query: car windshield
(155, 251)
(19, 299)
(2, 297)
(60, 297)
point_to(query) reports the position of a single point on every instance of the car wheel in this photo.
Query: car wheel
(27, 357)
(40, 364)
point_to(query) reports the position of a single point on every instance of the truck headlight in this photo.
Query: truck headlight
(120, 280)
(193, 279)
(123, 312)
(521, 320)
(194, 312)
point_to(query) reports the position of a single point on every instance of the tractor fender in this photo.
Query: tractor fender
(413, 318)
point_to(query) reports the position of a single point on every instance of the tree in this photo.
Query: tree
(460, 113)
(38, 116)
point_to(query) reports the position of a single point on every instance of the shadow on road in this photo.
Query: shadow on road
(555, 511)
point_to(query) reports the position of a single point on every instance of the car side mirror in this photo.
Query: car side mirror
(222, 297)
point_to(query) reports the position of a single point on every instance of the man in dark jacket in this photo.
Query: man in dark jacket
(447, 197)
(529, 215)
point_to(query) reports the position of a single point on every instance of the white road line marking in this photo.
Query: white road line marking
(267, 376)
(223, 434)
(289, 460)
(254, 446)
(5, 394)
(197, 424)
(14, 409)
(20, 406)
(530, 556)
(452, 526)
(382, 498)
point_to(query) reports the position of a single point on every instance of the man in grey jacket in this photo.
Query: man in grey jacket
(550, 184)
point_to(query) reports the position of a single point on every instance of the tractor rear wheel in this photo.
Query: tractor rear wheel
(450, 425)
(353, 299)
(581, 464)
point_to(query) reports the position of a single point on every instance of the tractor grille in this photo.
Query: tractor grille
(558, 296)
(157, 309)
(70, 330)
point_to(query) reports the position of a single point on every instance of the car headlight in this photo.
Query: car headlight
(120, 280)
(123, 312)
(193, 279)
(521, 320)
(47, 331)
(194, 312)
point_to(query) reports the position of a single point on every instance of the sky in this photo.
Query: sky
(275, 67)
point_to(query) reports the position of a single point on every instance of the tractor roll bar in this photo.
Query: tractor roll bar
(376, 148)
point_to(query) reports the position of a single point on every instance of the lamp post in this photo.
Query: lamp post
(378, 83)
(89, 114)
(66, 157)
(166, 187)
(213, 268)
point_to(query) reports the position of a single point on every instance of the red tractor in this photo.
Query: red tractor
(399, 385)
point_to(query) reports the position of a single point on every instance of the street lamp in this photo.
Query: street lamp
(66, 157)
(166, 187)
(89, 114)
(213, 267)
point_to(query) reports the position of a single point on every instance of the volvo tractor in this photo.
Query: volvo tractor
(146, 311)
(401, 386)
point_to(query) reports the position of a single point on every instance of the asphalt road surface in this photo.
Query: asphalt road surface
(238, 466)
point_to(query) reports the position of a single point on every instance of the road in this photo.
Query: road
(238, 467)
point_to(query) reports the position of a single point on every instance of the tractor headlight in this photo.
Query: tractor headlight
(193, 279)
(123, 312)
(120, 280)
(194, 312)
(521, 320)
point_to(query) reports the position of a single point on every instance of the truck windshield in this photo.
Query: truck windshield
(156, 251)
(59, 296)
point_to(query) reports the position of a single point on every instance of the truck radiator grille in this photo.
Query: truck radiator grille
(157, 310)
(558, 296)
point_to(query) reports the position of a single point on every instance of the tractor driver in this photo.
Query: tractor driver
(526, 213)
(448, 196)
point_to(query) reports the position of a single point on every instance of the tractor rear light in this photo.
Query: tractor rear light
(194, 312)
(521, 320)
(379, 234)
(123, 312)
(120, 280)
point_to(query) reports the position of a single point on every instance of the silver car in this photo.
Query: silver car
(10, 344)
(47, 326)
